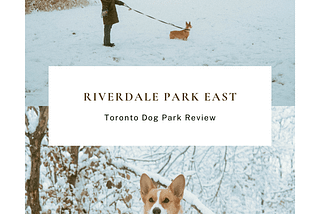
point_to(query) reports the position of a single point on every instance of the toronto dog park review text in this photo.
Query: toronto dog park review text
(156, 118)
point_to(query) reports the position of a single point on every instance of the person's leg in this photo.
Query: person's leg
(107, 31)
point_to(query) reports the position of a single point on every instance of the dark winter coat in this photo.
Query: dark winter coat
(112, 16)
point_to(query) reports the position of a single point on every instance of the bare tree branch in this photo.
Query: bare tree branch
(165, 164)
(176, 159)
(225, 166)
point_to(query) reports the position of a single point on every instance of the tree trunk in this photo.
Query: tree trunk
(74, 151)
(35, 139)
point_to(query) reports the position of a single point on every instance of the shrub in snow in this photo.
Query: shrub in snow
(49, 5)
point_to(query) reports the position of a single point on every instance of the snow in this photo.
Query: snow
(27, 167)
(224, 33)
(61, 181)
(33, 120)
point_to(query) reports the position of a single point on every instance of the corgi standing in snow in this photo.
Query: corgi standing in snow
(182, 34)
(162, 201)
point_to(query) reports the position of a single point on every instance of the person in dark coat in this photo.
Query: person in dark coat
(110, 17)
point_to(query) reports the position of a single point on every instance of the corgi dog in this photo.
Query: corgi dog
(182, 34)
(162, 201)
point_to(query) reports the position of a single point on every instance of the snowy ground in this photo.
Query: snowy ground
(224, 33)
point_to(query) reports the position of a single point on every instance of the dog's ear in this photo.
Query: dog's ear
(177, 186)
(146, 184)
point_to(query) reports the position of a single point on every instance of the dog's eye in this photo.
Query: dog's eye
(151, 200)
(166, 200)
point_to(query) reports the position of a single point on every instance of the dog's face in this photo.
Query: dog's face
(162, 201)
(188, 25)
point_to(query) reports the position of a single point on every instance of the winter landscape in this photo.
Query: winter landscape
(219, 179)
(99, 179)
(224, 33)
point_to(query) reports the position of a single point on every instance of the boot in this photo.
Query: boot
(109, 45)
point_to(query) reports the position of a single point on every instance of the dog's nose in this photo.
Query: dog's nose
(156, 210)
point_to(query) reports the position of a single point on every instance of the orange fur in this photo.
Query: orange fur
(182, 34)
(162, 201)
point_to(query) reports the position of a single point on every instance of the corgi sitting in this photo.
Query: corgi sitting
(182, 34)
(162, 201)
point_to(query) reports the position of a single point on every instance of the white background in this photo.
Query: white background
(245, 121)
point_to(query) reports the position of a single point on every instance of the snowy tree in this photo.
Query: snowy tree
(35, 135)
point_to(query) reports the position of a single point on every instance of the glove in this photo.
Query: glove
(104, 13)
